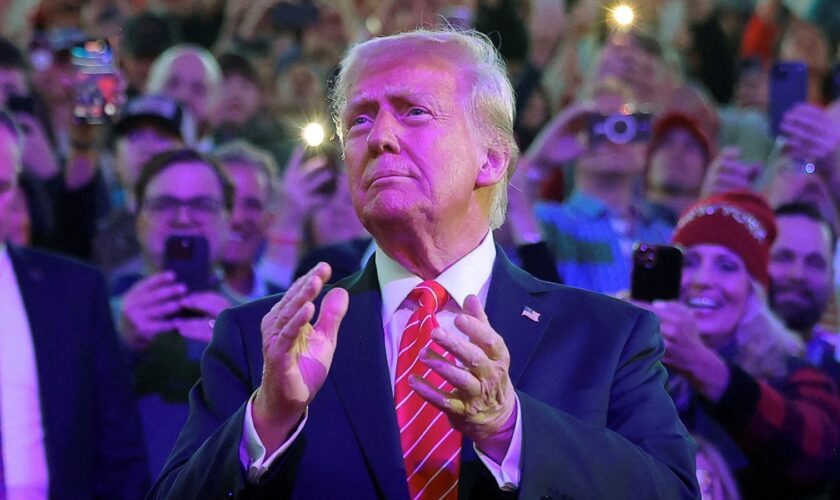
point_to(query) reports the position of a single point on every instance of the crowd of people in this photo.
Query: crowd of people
(202, 193)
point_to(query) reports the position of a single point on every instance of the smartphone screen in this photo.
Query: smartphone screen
(97, 88)
(788, 87)
(188, 258)
(657, 271)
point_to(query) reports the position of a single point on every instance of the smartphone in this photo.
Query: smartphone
(788, 87)
(188, 257)
(96, 86)
(657, 270)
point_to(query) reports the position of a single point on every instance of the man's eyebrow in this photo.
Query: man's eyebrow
(400, 93)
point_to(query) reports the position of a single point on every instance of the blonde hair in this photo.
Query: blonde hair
(491, 108)
(763, 342)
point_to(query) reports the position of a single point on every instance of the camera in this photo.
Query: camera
(619, 128)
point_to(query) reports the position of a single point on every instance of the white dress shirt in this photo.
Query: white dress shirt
(24, 456)
(468, 276)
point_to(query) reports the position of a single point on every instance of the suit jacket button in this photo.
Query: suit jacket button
(230, 493)
(546, 497)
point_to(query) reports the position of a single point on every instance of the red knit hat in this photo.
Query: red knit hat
(677, 120)
(741, 221)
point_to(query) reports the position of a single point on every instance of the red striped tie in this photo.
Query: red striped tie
(431, 447)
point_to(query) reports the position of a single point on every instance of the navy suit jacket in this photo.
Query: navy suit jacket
(92, 435)
(596, 419)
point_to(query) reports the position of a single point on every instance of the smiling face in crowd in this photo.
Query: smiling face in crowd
(801, 272)
(249, 218)
(716, 286)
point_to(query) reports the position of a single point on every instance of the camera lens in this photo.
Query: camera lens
(620, 129)
(649, 258)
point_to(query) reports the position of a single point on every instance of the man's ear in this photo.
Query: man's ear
(494, 168)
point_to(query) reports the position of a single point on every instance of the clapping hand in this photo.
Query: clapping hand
(296, 354)
(483, 404)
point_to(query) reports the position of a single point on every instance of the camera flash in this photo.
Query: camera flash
(622, 15)
(313, 134)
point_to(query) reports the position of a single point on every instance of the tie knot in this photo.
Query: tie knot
(430, 295)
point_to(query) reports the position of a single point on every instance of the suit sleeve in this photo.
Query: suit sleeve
(121, 464)
(205, 461)
(645, 451)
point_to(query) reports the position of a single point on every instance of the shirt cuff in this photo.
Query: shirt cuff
(251, 449)
(508, 473)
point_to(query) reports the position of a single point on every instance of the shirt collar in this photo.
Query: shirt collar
(465, 277)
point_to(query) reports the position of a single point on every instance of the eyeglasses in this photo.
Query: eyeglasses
(199, 208)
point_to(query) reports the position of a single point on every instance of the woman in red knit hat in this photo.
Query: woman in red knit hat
(737, 374)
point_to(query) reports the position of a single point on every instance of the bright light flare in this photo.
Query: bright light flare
(313, 134)
(622, 15)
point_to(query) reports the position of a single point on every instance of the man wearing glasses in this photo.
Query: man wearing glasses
(167, 323)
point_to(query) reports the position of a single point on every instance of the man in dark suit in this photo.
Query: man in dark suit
(552, 392)
(69, 425)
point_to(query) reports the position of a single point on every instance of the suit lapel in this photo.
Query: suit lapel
(512, 290)
(360, 374)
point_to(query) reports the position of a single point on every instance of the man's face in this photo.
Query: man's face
(249, 220)
(678, 164)
(190, 183)
(12, 82)
(411, 152)
(240, 100)
(9, 167)
(801, 272)
(189, 83)
(137, 146)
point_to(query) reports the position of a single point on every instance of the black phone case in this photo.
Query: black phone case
(188, 258)
(657, 271)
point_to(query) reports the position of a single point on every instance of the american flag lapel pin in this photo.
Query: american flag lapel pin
(531, 314)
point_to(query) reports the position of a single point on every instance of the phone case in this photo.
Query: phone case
(788, 87)
(188, 258)
(657, 271)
